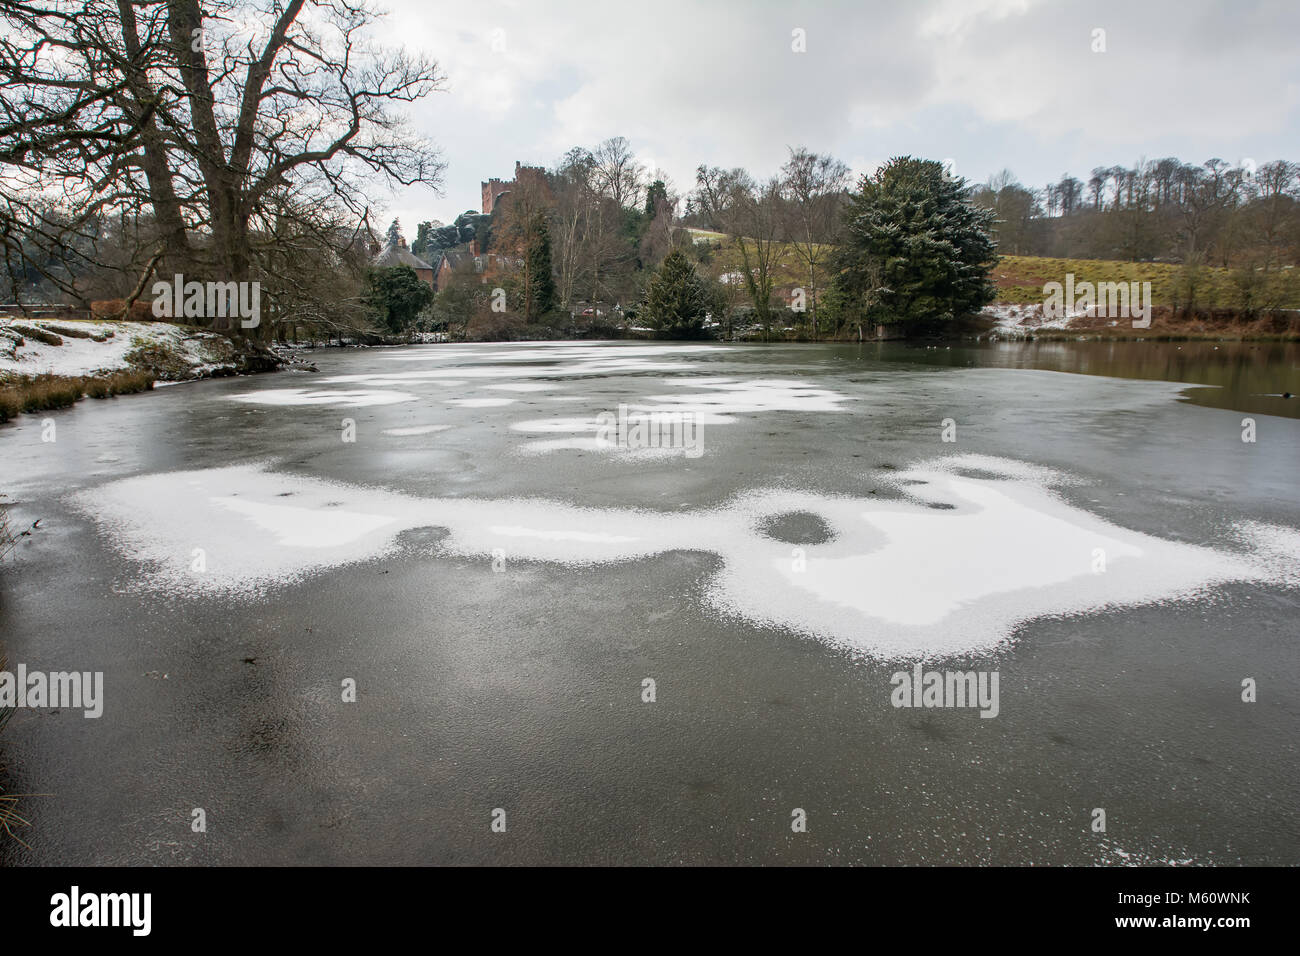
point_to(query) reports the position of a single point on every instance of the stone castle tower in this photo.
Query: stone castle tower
(494, 189)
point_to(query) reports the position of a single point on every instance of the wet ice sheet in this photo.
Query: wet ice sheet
(977, 546)
(480, 402)
(705, 401)
(354, 398)
(508, 369)
(546, 351)
(414, 430)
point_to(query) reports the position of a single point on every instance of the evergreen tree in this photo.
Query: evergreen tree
(394, 233)
(915, 247)
(396, 295)
(541, 283)
(676, 300)
(656, 194)
(423, 237)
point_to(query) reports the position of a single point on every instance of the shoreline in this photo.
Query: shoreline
(47, 364)
(106, 358)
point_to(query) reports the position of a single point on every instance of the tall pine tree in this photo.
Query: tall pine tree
(676, 301)
(915, 248)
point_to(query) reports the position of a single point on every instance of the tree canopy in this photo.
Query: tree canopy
(914, 247)
(676, 299)
(397, 295)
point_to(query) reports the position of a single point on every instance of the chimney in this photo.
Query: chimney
(473, 247)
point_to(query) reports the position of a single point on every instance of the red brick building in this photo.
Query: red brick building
(494, 189)
(467, 257)
(400, 255)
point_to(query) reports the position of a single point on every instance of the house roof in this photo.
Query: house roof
(391, 255)
(455, 257)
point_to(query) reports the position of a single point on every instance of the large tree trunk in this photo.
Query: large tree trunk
(177, 256)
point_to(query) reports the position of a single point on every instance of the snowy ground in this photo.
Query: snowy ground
(198, 353)
(1016, 321)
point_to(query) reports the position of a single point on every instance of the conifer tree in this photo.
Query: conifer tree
(675, 299)
(540, 294)
(915, 247)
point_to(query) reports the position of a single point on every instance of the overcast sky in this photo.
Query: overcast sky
(986, 83)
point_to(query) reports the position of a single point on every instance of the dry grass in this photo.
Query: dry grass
(9, 815)
(1020, 280)
(46, 392)
(7, 543)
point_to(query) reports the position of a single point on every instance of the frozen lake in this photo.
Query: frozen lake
(477, 536)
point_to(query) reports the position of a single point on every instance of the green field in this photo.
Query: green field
(1020, 280)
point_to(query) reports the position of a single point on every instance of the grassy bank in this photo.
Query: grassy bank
(38, 393)
(1219, 325)
(10, 818)
(1020, 280)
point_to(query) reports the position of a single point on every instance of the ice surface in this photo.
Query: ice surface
(357, 398)
(720, 401)
(414, 430)
(898, 577)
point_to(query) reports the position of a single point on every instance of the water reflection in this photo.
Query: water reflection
(1243, 376)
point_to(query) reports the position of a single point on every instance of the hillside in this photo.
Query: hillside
(1020, 279)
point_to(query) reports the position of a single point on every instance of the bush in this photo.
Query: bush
(494, 327)
(396, 295)
(46, 392)
(127, 382)
(157, 359)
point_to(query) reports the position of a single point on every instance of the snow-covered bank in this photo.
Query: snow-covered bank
(1017, 321)
(78, 348)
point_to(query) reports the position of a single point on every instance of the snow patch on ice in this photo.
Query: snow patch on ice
(414, 430)
(897, 578)
(720, 401)
(358, 398)
(480, 402)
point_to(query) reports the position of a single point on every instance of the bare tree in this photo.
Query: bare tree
(574, 196)
(222, 119)
(752, 215)
(715, 192)
(814, 188)
(1274, 208)
(615, 172)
